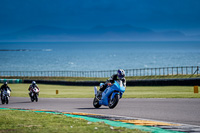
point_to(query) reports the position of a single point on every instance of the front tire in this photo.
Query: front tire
(36, 98)
(114, 101)
(2, 101)
(96, 103)
(7, 100)
(32, 99)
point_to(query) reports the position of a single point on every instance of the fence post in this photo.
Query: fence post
(144, 72)
(192, 69)
(177, 70)
(163, 71)
(182, 70)
(186, 70)
(159, 71)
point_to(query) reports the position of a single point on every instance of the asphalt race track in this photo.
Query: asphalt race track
(184, 111)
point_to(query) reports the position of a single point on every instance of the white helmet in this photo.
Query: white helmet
(33, 83)
(121, 73)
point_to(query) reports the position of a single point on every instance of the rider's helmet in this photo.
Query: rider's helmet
(120, 73)
(33, 83)
(5, 83)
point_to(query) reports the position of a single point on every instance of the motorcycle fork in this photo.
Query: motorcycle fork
(113, 94)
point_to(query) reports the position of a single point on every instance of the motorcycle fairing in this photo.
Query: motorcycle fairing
(116, 88)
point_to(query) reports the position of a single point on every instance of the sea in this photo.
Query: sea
(96, 56)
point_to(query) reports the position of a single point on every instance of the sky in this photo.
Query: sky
(158, 15)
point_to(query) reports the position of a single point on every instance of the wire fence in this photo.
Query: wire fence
(183, 70)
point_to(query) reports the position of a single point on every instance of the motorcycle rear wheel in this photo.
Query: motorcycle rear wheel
(96, 103)
(113, 102)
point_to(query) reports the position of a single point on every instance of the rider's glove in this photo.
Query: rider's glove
(109, 84)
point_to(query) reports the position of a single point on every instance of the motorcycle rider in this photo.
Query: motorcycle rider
(32, 86)
(5, 87)
(119, 76)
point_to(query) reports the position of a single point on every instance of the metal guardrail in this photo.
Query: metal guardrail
(183, 70)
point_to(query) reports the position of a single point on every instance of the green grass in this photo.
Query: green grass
(29, 122)
(101, 79)
(49, 91)
(161, 92)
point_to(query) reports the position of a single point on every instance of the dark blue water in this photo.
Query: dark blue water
(95, 56)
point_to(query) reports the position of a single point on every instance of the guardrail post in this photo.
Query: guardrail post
(140, 72)
(177, 70)
(155, 72)
(186, 70)
(192, 70)
(163, 71)
(159, 71)
(182, 70)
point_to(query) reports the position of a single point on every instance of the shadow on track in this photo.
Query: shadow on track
(90, 108)
(20, 102)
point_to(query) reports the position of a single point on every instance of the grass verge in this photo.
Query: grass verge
(49, 91)
(29, 122)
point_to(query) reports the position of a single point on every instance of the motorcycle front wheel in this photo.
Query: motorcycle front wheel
(36, 98)
(2, 101)
(113, 102)
(7, 100)
(32, 99)
(96, 103)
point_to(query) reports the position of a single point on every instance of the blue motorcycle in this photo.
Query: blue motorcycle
(110, 96)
